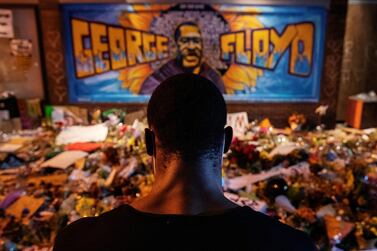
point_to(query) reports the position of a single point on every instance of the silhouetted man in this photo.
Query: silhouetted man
(186, 209)
(189, 60)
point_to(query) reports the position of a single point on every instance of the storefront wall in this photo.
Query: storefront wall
(57, 88)
(22, 74)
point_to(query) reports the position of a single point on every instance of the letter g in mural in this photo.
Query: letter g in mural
(122, 52)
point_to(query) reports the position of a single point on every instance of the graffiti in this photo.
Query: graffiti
(99, 48)
(268, 46)
(122, 52)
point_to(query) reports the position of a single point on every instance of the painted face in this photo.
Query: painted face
(190, 46)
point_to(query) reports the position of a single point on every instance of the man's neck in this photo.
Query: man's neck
(182, 188)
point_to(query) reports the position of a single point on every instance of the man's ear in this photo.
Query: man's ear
(149, 141)
(228, 133)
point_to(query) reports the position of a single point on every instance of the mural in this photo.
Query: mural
(122, 52)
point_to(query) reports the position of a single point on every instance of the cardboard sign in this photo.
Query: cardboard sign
(64, 159)
(239, 122)
(74, 134)
(9, 148)
(54, 179)
(18, 207)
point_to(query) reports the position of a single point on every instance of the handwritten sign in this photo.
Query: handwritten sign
(6, 24)
(74, 134)
(239, 122)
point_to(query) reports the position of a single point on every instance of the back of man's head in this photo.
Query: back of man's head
(188, 114)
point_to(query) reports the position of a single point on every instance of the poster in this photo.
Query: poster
(121, 52)
(6, 24)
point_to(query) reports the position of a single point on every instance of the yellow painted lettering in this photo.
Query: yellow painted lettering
(243, 56)
(261, 47)
(302, 50)
(83, 56)
(117, 43)
(134, 45)
(162, 46)
(227, 44)
(149, 47)
(280, 44)
(100, 47)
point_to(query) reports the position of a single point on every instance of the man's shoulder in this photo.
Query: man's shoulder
(76, 235)
(88, 231)
(274, 232)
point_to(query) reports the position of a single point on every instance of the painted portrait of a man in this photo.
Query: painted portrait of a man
(189, 58)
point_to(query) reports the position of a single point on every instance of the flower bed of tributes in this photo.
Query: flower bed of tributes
(322, 182)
